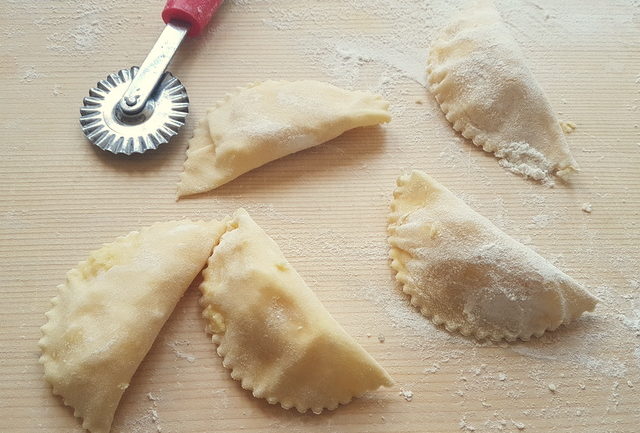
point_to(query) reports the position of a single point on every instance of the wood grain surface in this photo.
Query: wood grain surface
(326, 207)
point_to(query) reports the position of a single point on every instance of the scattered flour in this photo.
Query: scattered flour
(518, 425)
(83, 37)
(69, 27)
(406, 394)
(433, 369)
(608, 367)
(153, 412)
(387, 62)
(175, 346)
(520, 158)
(541, 220)
(155, 419)
(400, 54)
(402, 316)
(352, 59)
(404, 63)
(464, 426)
(29, 73)
(149, 421)
(632, 321)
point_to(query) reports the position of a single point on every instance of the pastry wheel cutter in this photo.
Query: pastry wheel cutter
(140, 108)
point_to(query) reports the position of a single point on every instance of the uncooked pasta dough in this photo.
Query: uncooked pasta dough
(266, 121)
(273, 333)
(480, 79)
(466, 274)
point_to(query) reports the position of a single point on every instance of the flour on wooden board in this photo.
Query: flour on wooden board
(399, 55)
(73, 27)
(406, 394)
(395, 60)
(180, 354)
(29, 74)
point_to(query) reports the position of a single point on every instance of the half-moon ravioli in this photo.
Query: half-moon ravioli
(110, 310)
(273, 332)
(466, 274)
(480, 78)
(266, 121)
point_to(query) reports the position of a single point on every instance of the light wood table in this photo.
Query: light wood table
(327, 207)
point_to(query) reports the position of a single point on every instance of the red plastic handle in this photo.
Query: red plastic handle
(197, 13)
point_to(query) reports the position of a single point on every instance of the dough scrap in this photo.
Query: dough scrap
(108, 313)
(266, 121)
(480, 78)
(466, 274)
(273, 332)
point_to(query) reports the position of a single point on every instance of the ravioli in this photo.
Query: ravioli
(110, 310)
(266, 121)
(480, 78)
(272, 331)
(467, 275)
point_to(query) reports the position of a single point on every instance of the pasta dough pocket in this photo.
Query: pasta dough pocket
(110, 310)
(266, 121)
(480, 78)
(466, 274)
(273, 332)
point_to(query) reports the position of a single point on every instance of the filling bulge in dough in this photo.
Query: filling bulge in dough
(109, 311)
(480, 78)
(266, 121)
(466, 274)
(272, 331)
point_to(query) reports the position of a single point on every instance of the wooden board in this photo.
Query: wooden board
(326, 207)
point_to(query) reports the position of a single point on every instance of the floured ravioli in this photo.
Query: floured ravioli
(269, 120)
(110, 310)
(464, 273)
(480, 78)
(273, 332)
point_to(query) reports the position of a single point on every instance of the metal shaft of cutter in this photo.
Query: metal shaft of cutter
(153, 67)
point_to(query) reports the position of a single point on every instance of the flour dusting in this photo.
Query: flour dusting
(520, 158)
(29, 74)
(180, 354)
(382, 45)
(406, 394)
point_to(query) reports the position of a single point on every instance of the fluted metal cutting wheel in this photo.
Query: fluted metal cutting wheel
(108, 127)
